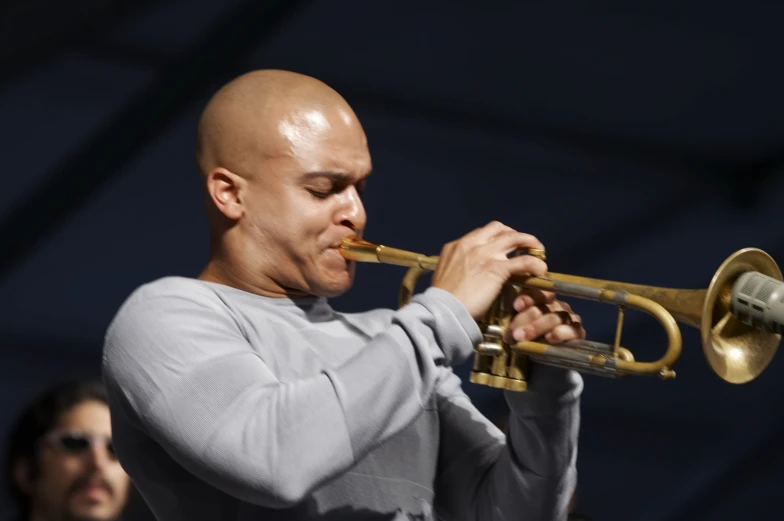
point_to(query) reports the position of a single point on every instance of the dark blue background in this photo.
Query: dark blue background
(642, 141)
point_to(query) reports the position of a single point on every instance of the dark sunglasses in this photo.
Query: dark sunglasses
(75, 442)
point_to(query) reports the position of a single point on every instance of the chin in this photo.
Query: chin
(333, 290)
(332, 283)
(335, 287)
(93, 514)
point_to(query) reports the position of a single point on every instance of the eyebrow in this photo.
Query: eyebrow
(338, 177)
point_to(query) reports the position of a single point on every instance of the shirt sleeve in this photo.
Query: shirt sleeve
(528, 474)
(183, 370)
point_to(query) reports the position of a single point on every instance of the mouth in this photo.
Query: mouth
(95, 494)
(336, 254)
(336, 257)
(95, 491)
(338, 244)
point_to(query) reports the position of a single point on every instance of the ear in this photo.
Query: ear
(22, 474)
(225, 189)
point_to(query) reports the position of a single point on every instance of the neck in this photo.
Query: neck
(223, 271)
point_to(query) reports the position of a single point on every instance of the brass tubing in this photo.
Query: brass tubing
(736, 352)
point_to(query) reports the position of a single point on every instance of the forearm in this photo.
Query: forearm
(539, 464)
(529, 474)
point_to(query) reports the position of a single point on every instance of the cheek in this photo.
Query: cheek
(282, 216)
(310, 222)
(296, 223)
(121, 485)
(55, 477)
(118, 476)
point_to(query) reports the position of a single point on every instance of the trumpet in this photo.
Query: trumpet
(740, 316)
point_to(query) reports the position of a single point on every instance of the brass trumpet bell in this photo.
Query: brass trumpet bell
(735, 351)
(739, 338)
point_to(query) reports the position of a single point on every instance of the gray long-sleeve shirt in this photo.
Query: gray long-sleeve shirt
(231, 406)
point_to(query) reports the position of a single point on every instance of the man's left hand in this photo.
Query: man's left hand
(539, 314)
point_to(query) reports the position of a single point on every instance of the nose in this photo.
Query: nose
(99, 456)
(351, 212)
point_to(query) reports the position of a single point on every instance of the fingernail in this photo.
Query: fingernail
(519, 334)
(519, 305)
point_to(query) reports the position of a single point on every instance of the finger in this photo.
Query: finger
(523, 265)
(511, 241)
(537, 328)
(524, 327)
(531, 314)
(532, 296)
(569, 318)
(564, 333)
(487, 233)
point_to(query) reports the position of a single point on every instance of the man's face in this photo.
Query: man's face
(308, 199)
(73, 484)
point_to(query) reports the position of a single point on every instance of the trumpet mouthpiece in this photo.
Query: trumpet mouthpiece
(356, 249)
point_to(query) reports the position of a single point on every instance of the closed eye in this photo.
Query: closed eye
(319, 194)
(338, 182)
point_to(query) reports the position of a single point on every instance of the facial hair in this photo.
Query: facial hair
(72, 517)
(75, 487)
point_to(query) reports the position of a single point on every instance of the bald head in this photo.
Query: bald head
(265, 114)
(284, 162)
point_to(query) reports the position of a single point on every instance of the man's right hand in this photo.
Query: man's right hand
(475, 267)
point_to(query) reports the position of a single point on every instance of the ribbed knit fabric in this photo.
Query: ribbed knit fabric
(229, 406)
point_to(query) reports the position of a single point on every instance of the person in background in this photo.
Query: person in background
(60, 461)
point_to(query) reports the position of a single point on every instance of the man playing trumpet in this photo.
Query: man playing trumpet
(243, 395)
